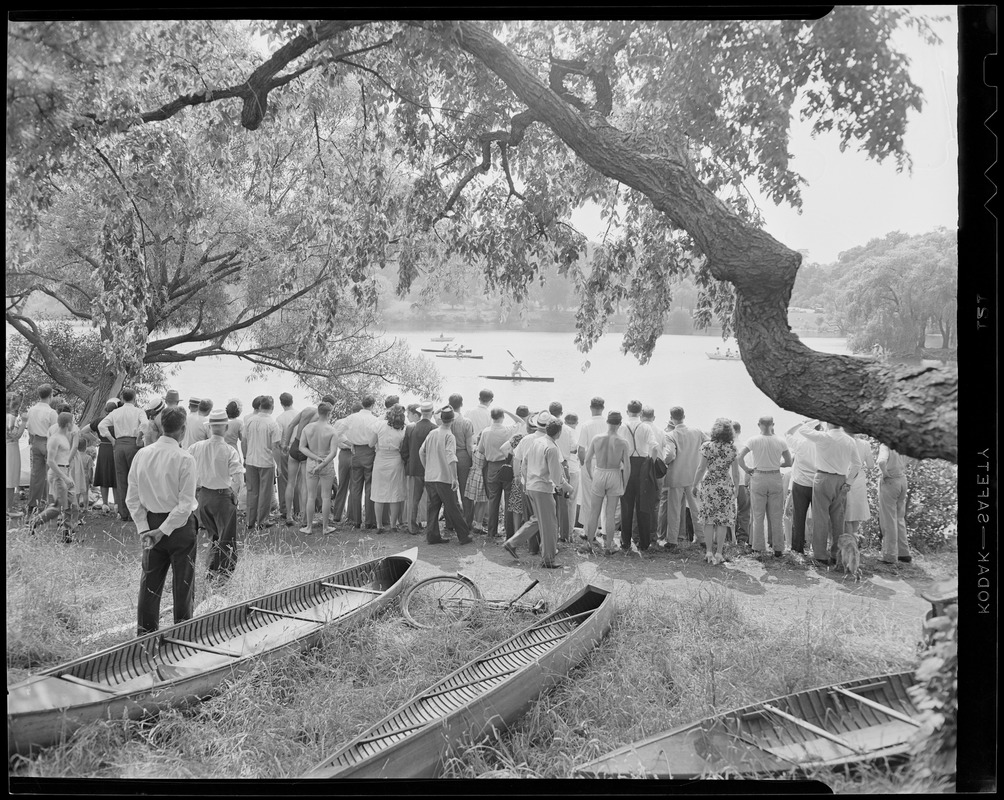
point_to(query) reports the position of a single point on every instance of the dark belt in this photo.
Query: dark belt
(126, 438)
(36, 436)
(347, 449)
(63, 466)
(367, 446)
(824, 472)
(218, 491)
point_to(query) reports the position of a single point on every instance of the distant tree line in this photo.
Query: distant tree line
(890, 292)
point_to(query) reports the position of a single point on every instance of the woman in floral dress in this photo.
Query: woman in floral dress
(717, 478)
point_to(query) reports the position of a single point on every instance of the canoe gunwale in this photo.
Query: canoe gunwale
(147, 679)
(731, 725)
(552, 666)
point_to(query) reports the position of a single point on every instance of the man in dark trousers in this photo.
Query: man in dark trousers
(161, 502)
(414, 470)
(218, 471)
(438, 454)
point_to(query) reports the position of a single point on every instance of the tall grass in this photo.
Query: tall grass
(669, 659)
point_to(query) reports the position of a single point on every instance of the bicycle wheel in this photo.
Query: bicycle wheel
(440, 600)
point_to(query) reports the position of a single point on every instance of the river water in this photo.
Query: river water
(679, 373)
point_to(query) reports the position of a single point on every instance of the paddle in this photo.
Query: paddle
(520, 364)
(527, 589)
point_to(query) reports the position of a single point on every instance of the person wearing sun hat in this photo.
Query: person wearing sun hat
(218, 471)
(172, 398)
(151, 430)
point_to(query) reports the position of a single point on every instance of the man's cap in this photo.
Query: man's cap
(446, 414)
(155, 406)
(426, 407)
(172, 396)
(217, 415)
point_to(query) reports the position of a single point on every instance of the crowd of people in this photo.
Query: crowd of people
(532, 480)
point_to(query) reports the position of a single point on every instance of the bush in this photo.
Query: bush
(932, 504)
(936, 694)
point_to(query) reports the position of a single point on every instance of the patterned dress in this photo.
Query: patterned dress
(514, 502)
(475, 489)
(717, 504)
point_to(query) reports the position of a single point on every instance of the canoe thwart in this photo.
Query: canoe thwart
(352, 588)
(199, 646)
(880, 707)
(813, 728)
(284, 615)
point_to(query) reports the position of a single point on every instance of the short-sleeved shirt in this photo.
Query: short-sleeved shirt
(260, 433)
(40, 417)
(766, 451)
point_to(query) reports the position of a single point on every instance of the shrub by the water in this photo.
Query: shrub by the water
(932, 504)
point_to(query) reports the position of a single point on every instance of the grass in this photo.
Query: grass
(669, 659)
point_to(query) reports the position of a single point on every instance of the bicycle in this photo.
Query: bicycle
(449, 599)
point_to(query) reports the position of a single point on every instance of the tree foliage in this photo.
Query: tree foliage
(499, 130)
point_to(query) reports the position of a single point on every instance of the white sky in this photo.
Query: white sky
(850, 199)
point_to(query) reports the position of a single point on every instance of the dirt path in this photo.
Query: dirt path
(777, 587)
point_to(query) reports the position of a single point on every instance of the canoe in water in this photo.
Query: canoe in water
(515, 378)
(845, 723)
(184, 663)
(458, 357)
(441, 350)
(441, 339)
(481, 697)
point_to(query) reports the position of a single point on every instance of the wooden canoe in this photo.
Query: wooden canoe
(515, 378)
(483, 696)
(441, 339)
(454, 355)
(184, 663)
(443, 350)
(845, 723)
(723, 357)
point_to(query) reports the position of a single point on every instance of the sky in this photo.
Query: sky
(850, 199)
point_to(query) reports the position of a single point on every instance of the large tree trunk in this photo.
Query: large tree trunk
(914, 410)
(109, 385)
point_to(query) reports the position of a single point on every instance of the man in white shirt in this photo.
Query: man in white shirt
(161, 502)
(489, 445)
(742, 526)
(596, 426)
(838, 462)
(41, 417)
(360, 435)
(218, 471)
(262, 439)
(285, 417)
(566, 445)
(197, 424)
(480, 417)
(569, 445)
(128, 421)
(683, 457)
(803, 474)
(769, 454)
(544, 476)
(892, 505)
(438, 455)
(642, 445)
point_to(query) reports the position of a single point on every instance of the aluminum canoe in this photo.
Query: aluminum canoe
(185, 663)
(483, 696)
(844, 723)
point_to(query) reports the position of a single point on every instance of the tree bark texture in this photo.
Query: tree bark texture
(912, 409)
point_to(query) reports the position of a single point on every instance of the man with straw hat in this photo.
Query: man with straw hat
(151, 430)
(218, 471)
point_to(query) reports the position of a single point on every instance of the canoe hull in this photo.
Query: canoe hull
(512, 378)
(158, 670)
(755, 741)
(461, 357)
(422, 753)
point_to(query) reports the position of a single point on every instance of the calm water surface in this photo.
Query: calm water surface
(679, 373)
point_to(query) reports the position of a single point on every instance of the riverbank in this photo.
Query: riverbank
(689, 638)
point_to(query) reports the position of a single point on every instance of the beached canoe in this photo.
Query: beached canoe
(846, 723)
(454, 355)
(486, 695)
(515, 378)
(184, 663)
